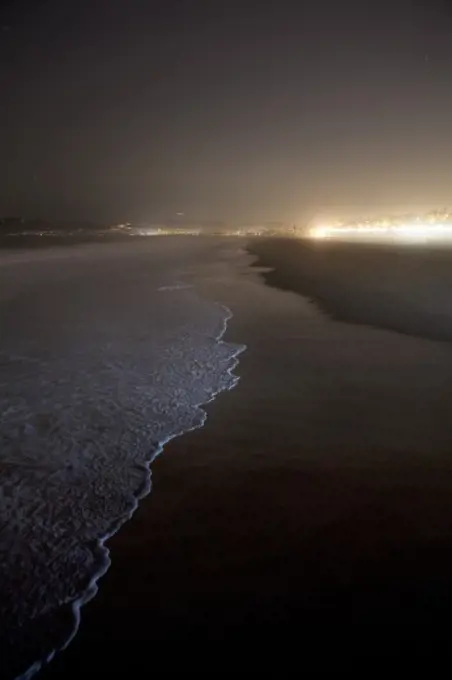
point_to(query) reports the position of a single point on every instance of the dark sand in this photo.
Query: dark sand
(310, 521)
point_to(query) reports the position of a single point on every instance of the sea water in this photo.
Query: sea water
(106, 354)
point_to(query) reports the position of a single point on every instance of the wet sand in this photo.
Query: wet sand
(309, 520)
(402, 287)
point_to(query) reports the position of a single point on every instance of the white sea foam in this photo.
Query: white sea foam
(100, 372)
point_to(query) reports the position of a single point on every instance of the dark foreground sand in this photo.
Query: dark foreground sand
(310, 521)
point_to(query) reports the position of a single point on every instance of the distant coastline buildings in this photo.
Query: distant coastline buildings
(20, 226)
(211, 228)
(435, 225)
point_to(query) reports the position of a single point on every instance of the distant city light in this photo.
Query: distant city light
(435, 226)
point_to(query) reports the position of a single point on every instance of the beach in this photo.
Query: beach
(309, 518)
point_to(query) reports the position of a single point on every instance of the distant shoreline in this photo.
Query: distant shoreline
(21, 242)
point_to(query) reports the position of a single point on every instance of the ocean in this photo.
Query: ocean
(106, 355)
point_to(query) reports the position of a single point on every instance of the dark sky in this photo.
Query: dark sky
(114, 109)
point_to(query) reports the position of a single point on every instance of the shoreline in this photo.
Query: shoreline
(93, 587)
(299, 512)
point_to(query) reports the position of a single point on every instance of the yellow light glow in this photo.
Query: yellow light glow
(321, 232)
(428, 228)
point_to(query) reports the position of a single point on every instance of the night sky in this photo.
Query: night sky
(138, 109)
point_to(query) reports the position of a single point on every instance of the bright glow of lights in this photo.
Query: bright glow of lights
(433, 227)
(321, 232)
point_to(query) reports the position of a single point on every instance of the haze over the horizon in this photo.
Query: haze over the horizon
(240, 111)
